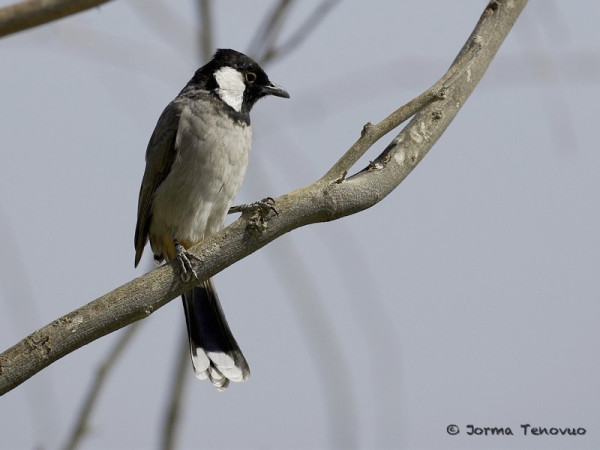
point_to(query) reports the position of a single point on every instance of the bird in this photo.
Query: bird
(196, 160)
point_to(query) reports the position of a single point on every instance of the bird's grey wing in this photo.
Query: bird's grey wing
(160, 155)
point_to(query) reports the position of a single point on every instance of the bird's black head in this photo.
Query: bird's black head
(237, 80)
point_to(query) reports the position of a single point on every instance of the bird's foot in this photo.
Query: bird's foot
(257, 214)
(185, 265)
(264, 207)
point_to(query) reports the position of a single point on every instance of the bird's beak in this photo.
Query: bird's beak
(273, 89)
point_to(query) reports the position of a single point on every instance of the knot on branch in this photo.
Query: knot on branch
(342, 178)
(39, 345)
(492, 6)
(379, 163)
(367, 129)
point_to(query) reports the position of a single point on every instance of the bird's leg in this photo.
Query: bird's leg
(185, 266)
(256, 214)
(264, 206)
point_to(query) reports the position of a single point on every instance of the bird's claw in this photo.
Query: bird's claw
(256, 214)
(186, 268)
(263, 206)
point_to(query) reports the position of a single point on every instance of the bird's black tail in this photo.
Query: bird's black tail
(215, 353)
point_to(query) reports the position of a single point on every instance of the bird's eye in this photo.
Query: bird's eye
(250, 77)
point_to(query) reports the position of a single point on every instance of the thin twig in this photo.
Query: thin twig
(206, 29)
(171, 420)
(31, 13)
(271, 53)
(81, 427)
(324, 346)
(269, 29)
(318, 328)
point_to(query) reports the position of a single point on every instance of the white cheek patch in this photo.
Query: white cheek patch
(231, 87)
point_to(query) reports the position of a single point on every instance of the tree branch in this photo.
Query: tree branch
(329, 198)
(31, 13)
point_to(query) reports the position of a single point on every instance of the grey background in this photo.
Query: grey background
(468, 296)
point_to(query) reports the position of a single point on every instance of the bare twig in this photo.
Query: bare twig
(271, 53)
(31, 13)
(267, 32)
(81, 427)
(327, 199)
(178, 384)
(206, 29)
(324, 346)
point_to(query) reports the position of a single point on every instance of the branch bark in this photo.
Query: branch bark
(31, 13)
(332, 197)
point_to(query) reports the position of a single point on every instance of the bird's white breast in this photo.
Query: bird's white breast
(212, 156)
